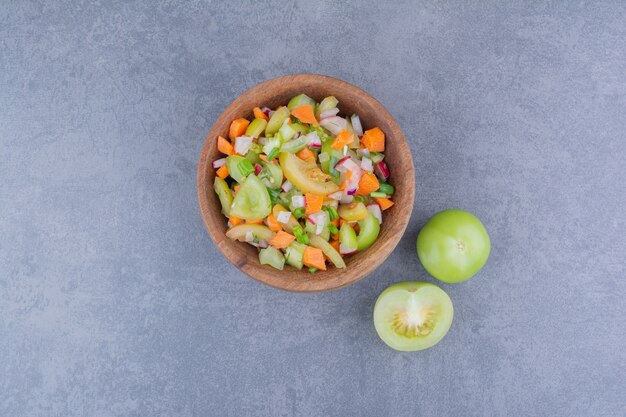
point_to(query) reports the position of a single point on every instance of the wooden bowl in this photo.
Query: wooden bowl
(352, 99)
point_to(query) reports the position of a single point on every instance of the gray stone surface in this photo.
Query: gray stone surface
(114, 301)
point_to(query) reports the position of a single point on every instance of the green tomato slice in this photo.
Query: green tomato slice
(299, 100)
(368, 231)
(272, 257)
(347, 236)
(306, 176)
(295, 145)
(259, 231)
(453, 246)
(252, 201)
(276, 121)
(324, 246)
(224, 194)
(353, 211)
(411, 316)
(256, 128)
(233, 170)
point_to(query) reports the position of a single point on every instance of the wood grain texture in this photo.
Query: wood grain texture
(352, 99)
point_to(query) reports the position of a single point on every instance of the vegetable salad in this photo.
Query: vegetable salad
(304, 185)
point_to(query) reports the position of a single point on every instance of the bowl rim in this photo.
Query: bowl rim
(263, 275)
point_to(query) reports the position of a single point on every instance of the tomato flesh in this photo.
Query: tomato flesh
(305, 176)
(410, 316)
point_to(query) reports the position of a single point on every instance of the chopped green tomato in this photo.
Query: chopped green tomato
(352, 212)
(295, 145)
(335, 155)
(306, 176)
(224, 194)
(292, 220)
(368, 231)
(245, 167)
(377, 194)
(411, 316)
(271, 144)
(280, 115)
(272, 257)
(376, 157)
(253, 156)
(355, 138)
(232, 163)
(240, 231)
(252, 201)
(271, 175)
(333, 255)
(386, 188)
(286, 132)
(299, 127)
(300, 100)
(294, 254)
(328, 103)
(256, 128)
(347, 236)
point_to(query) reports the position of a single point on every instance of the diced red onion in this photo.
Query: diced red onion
(333, 124)
(297, 201)
(339, 166)
(356, 124)
(257, 169)
(381, 170)
(286, 187)
(318, 219)
(351, 191)
(336, 195)
(219, 163)
(314, 140)
(366, 164)
(268, 112)
(351, 165)
(346, 250)
(376, 211)
(363, 152)
(329, 113)
(297, 135)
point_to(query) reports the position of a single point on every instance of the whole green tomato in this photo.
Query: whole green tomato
(453, 245)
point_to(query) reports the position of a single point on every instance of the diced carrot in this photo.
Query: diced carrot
(305, 154)
(281, 240)
(374, 140)
(257, 221)
(238, 128)
(263, 157)
(222, 172)
(305, 114)
(236, 188)
(335, 222)
(272, 223)
(313, 202)
(384, 203)
(367, 184)
(335, 244)
(314, 257)
(224, 146)
(258, 114)
(342, 139)
(234, 220)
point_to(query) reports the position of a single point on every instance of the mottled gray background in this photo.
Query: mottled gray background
(114, 301)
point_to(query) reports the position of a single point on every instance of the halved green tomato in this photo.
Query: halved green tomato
(306, 176)
(276, 121)
(232, 163)
(368, 232)
(333, 255)
(411, 316)
(347, 236)
(224, 194)
(252, 201)
(353, 211)
(258, 231)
